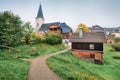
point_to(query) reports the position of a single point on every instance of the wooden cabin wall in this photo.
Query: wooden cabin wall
(85, 46)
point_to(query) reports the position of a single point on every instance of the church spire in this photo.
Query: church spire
(40, 13)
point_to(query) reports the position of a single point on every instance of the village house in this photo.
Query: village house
(96, 28)
(88, 45)
(110, 38)
(110, 33)
(57, 27)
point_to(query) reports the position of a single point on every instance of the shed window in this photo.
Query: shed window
(91, 46)
(92, 55)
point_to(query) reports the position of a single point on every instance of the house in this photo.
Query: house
(117, 34)
(96, 28)
(110, 33)
(88, 45)
(56, 27)
(111, 30)
(110, 38)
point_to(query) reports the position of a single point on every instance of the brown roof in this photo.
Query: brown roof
(96, 37)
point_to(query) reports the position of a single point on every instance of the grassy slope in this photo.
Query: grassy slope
(72, 68)
(12, 68)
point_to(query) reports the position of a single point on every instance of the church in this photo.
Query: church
(56, 27)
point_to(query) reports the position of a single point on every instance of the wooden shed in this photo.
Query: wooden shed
(88, 46)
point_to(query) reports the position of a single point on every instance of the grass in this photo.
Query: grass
(12, 67)
(71, 68)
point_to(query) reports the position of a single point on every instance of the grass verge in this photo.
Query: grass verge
(11, 65)
(71, 68)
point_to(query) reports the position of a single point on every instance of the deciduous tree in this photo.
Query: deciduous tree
(10, 29)
(85, 28)
(27, 31)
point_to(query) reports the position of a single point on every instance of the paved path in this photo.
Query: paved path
(40, 71)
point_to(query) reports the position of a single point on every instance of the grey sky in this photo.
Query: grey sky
(105, 13)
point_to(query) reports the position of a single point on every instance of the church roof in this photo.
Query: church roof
(40, 13)
(63, 26)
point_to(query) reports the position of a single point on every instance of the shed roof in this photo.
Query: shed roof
(93, 37)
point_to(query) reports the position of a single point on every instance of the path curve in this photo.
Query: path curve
(39, 70)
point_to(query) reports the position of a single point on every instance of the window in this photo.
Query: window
(92, 55)
(37, 24)
(55, 29)
(65, 36)
(91, 46)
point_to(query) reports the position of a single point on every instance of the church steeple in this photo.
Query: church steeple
(40, 13)
(39, 19)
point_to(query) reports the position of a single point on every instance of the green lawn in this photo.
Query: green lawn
(72, 68)
(13, 68)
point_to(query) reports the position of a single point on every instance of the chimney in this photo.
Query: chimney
(81, 32)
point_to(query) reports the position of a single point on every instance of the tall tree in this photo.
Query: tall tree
(27, 32)
(10, 29)
(85, 28)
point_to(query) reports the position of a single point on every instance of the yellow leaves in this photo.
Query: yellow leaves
(85, 28)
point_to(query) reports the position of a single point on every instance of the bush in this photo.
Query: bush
(116, 46)
(34, 51)
(35, 38)
(117, 39)
(53, 38)
(116, 57)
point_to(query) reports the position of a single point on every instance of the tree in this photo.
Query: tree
(85, 28)
(27, 31)
(10, 29)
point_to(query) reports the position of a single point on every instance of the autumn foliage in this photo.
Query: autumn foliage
(85, 28)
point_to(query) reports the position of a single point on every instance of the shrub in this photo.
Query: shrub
(53, 38)
(116, 57)
(35, 38)
(34, 51)
(117, 39)
(116, 46)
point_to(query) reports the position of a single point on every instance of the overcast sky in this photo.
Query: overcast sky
(105, 13)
